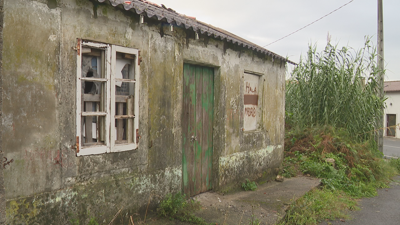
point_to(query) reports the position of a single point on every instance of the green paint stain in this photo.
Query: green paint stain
(184, 170)
(193, 93)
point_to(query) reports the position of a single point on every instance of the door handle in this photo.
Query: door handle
(193, 138)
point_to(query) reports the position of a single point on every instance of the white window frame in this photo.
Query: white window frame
(135, 68)
(109, 113)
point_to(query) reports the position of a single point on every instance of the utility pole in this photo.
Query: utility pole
(381, 75)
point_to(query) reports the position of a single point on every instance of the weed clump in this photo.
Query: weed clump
(395, 163)
(336, 87)
(176, 207)
(357, 169)
(348, 168)
(249, 186)
(319, 205)
(93, 221)
(332, 111)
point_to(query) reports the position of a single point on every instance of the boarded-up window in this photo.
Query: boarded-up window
(251, 101)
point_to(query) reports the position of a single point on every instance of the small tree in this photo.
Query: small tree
(336, 87)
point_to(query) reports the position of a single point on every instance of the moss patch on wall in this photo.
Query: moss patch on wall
(96, 198)
(237, 167)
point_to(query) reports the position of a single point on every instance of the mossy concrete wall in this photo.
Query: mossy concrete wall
(2, 191)
(47, 184)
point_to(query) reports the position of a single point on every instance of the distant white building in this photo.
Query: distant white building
(392, 109)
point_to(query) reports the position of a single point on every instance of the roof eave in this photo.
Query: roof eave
(151, 10)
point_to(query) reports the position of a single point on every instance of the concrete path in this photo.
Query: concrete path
(267, 204)
(383, 209)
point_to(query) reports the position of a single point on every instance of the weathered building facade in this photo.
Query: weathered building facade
(392, 110)
(107, 105)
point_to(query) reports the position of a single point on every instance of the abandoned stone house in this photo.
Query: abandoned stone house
(110, 104)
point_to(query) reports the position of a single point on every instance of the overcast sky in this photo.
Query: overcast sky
(264, 21)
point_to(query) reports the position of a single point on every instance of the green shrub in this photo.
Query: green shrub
(332, 106)
(317, 206)
(357, 170)
(249, 186)
(395, 163)
(176, 207)
(93, 221)
(290, 168)
(254, 221)
(336, 87)
(172, 205)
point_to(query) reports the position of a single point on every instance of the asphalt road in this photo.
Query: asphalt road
(382, 209)
(391, 147)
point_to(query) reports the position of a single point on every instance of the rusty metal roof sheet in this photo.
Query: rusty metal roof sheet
(153, 10)
(392, 86)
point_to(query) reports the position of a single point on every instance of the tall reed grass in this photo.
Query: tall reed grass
(336, 87)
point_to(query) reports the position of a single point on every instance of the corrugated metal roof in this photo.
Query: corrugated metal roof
(153, 10)
(392, 86)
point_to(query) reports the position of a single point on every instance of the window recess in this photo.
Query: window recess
(252, 101)
(107, 98)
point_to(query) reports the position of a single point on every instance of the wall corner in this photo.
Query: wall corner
(2, 190)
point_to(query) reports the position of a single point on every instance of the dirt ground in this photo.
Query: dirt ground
(266, 205)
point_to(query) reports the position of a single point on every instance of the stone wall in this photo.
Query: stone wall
(48, 184)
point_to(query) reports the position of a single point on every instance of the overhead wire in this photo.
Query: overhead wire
(309, 24)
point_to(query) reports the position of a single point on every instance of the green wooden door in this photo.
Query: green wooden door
(197, 129)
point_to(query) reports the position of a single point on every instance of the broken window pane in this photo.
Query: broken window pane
(93, 94)
(124, 99)
(124, 108)
(91, 130)
(93, 97)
